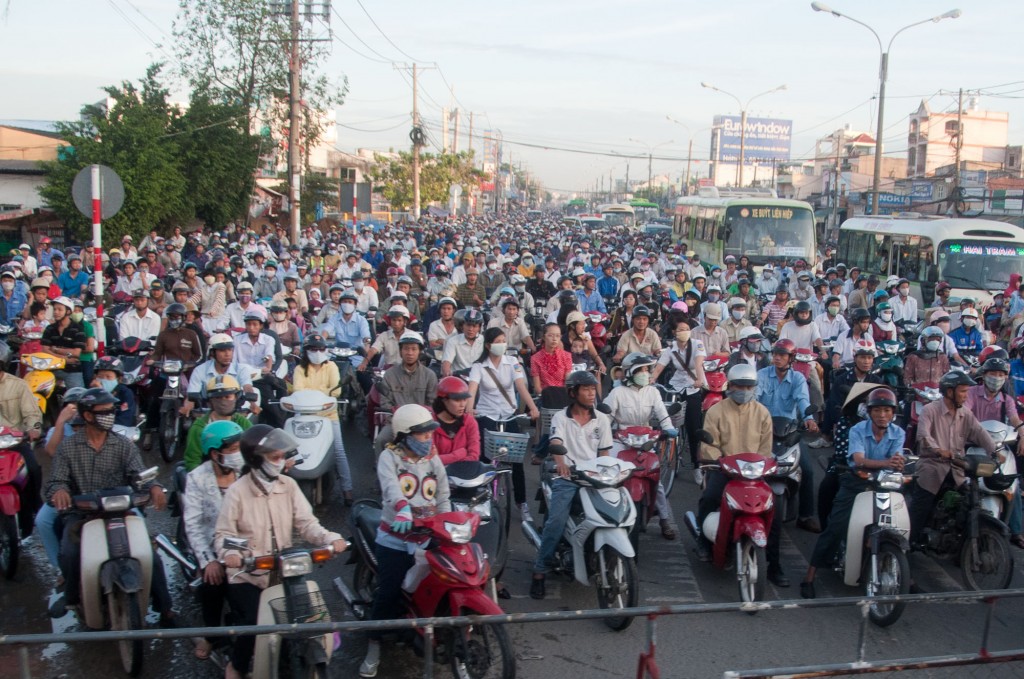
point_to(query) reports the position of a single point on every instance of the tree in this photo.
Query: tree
(133, 139)
(315, 188)
(392, 176)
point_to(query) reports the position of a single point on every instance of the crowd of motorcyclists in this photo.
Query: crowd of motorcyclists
(458, 325)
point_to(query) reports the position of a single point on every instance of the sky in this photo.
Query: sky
(584, 75)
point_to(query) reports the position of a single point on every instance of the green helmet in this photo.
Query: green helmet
(218, 435)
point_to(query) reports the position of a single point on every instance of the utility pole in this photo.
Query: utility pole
(470, 140)
(689, 156)
(445, 125)
(417, 141)
(959, 145)
(743, 147)
(455, 137)
(650, 159)
(294, 116)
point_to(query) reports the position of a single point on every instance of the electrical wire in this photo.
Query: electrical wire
(366, 44)
(385, 35)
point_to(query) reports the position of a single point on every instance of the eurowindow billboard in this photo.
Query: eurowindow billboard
(767, 139)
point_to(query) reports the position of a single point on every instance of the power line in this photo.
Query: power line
(385, 35)
(366, 44)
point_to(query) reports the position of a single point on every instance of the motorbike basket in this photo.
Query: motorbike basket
(514, 445)
(307, 608)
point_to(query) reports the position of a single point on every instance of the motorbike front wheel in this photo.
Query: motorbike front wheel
(10, 547)
(753, 571)
(364, 586)
(481, 651)
(170, 431)
(994, 566)
(125, 615)
(623, 590)
(892, 576)
(668, 461)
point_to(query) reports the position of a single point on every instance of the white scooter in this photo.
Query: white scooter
(595, 546)
(315, 462)
(116, 563)
(999, 490)
(295, 599)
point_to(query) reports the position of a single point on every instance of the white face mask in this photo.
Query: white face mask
(233, 461)
(347, 307)
(270, 274)
(498, 349)
(7, 285)
(970, 322)
(886, 316)
(737, 315)
(767, 274)
(317, 357)
(273, 469)
(358, 285)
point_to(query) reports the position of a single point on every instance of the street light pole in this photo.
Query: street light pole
(743, 121)
(883, 75)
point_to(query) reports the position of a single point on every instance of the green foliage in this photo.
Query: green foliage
(392, 177)
(315, 188)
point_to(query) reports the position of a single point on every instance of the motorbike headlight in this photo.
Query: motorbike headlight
(296, 564)
(308, 430)
(752, 470)
(172, 367)
(460, 533)
(890, 480)
(484, 510)
(39, 363)
(129, 378)
(710, 366)
(116, 503)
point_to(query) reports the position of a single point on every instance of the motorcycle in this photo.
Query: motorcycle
(39, 375)
(169, 433)
(595, 547)
(350, 391)
(473, 486)
(961, 529)
(742, 523)
(714, 373)
(116, 563)
(999, 490)
(875, 550)
(642, 484)
(786, 477)
(13, 481)
(295, 600)
(458, 571)
(597, 325)
(924, 393)
(314, 467)
(889, 362)
(910, 331)
(133, 352)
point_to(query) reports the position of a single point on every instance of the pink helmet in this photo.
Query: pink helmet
(680, 306)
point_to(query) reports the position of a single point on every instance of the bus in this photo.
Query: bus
(975, 256)
(717, 222)
(617, 215)
(576, 206)
(644, 210)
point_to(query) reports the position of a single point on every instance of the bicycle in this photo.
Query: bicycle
(503, 449)
(669, 447)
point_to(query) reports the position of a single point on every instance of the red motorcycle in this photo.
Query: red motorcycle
(13, 481)
(742, 523)
(597, 325)
(642, 485)
(453, 586)
(714, 373)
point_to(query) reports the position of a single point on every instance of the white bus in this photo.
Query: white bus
(618, 215)
(753, 222)
(975, 256)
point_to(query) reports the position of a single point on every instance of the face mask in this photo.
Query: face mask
(970, 322)
(932, 345)
(417, 447)
(645, 267)
(317, 357)
(802, 284)
(498, 349)
(109, 385)
(754, 347)
(994, 384)
(245, 298)
(886, 316)
(618, 269)
(77, 316)
(741, 397)
(528, 262)
(233, 461)
(642, 379)
(713, 296)
(358, 285)
(520, 288)
(347, 307)
(222, 406)
(737, 315)
(492, 266)
(683, 336)
(279, 315)
(8, 286)
(104, 421)
(272, 469)
(270, 274)
(904, 292)
(767, 275)
(833, 311)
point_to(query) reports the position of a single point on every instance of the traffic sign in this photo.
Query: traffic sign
(454, 190)
(111, 192)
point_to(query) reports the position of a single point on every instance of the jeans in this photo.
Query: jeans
(30, 497)
(562, 494)
(244, 599)
(46, 529)
(392, 565)
(826, 496)
(838, 520)
(518, 473)
(1013, 521)
(341, 459)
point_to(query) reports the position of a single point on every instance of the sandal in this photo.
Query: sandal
(203, 649)
(1017, 541)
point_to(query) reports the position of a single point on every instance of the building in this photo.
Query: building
(24, 146)
(934, 136)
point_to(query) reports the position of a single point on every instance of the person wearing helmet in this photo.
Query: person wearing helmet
(86, 463)
(497, 385)
(332, 305)
(684, 358)
(736, 321)
(140, 321)
(903, 305)
(364, 285)
(348, 327)
(589, 298)
(223, 392)
(967, 337)
(883, 328)
(282, 326)
(640, 337)
(751, 349)
(66, 338)
(737, 424)
(292, 290)
(443, 328)
(785, 393)
(222, 361)
(255, 347)
(201, 501)
(860, 329)
(635, 403)
(268, 284)
(413, 484)
(801, 288)
(265, 507)
(386, 343)
(940, 319)
(457, 438)
(462, 350)
(577, 434)
(831, 323)
(512, 324)
(242, 305)
(944, 430)
(108, 377)
(710, 333)
(929, 363)
(410, 381)
(875, 443)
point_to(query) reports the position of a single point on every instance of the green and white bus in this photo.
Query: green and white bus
(617, 215)
(975, 256)
(644, 210)
(754, 222)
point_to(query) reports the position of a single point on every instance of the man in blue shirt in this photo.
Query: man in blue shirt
(590, 298)
(784, 392)
(373, 256)
(73, 281)
(349, 326)
(967, 338)
(608, 285)
(875, 443)
(12, 299)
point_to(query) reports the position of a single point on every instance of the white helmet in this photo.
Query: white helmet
(742, 375)
(413, 419)
(750, 332)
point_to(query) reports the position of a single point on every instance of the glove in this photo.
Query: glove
(403, 521)
(671, 433)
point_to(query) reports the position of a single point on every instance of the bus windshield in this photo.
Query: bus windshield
(769, 232)
(978, 265)
(615, 219)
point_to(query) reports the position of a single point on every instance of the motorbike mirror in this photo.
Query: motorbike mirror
(704, 437)
(251, 397)
(603, 408)
(674, 408)
(146, 475)
(811, 409)
(232, 542)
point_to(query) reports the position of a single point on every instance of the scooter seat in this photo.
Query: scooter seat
(468, 473)
(367, 521)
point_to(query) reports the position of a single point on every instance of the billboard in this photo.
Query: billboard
(766, 139)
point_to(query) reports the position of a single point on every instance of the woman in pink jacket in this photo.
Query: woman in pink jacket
(458, 437)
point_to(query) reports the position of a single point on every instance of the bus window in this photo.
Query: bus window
(913, 258)
(879, 262)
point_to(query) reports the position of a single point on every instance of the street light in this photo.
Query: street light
(650, 158)
(883, 73)
(743, 121)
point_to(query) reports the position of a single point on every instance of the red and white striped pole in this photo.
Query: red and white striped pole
(97, 212)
